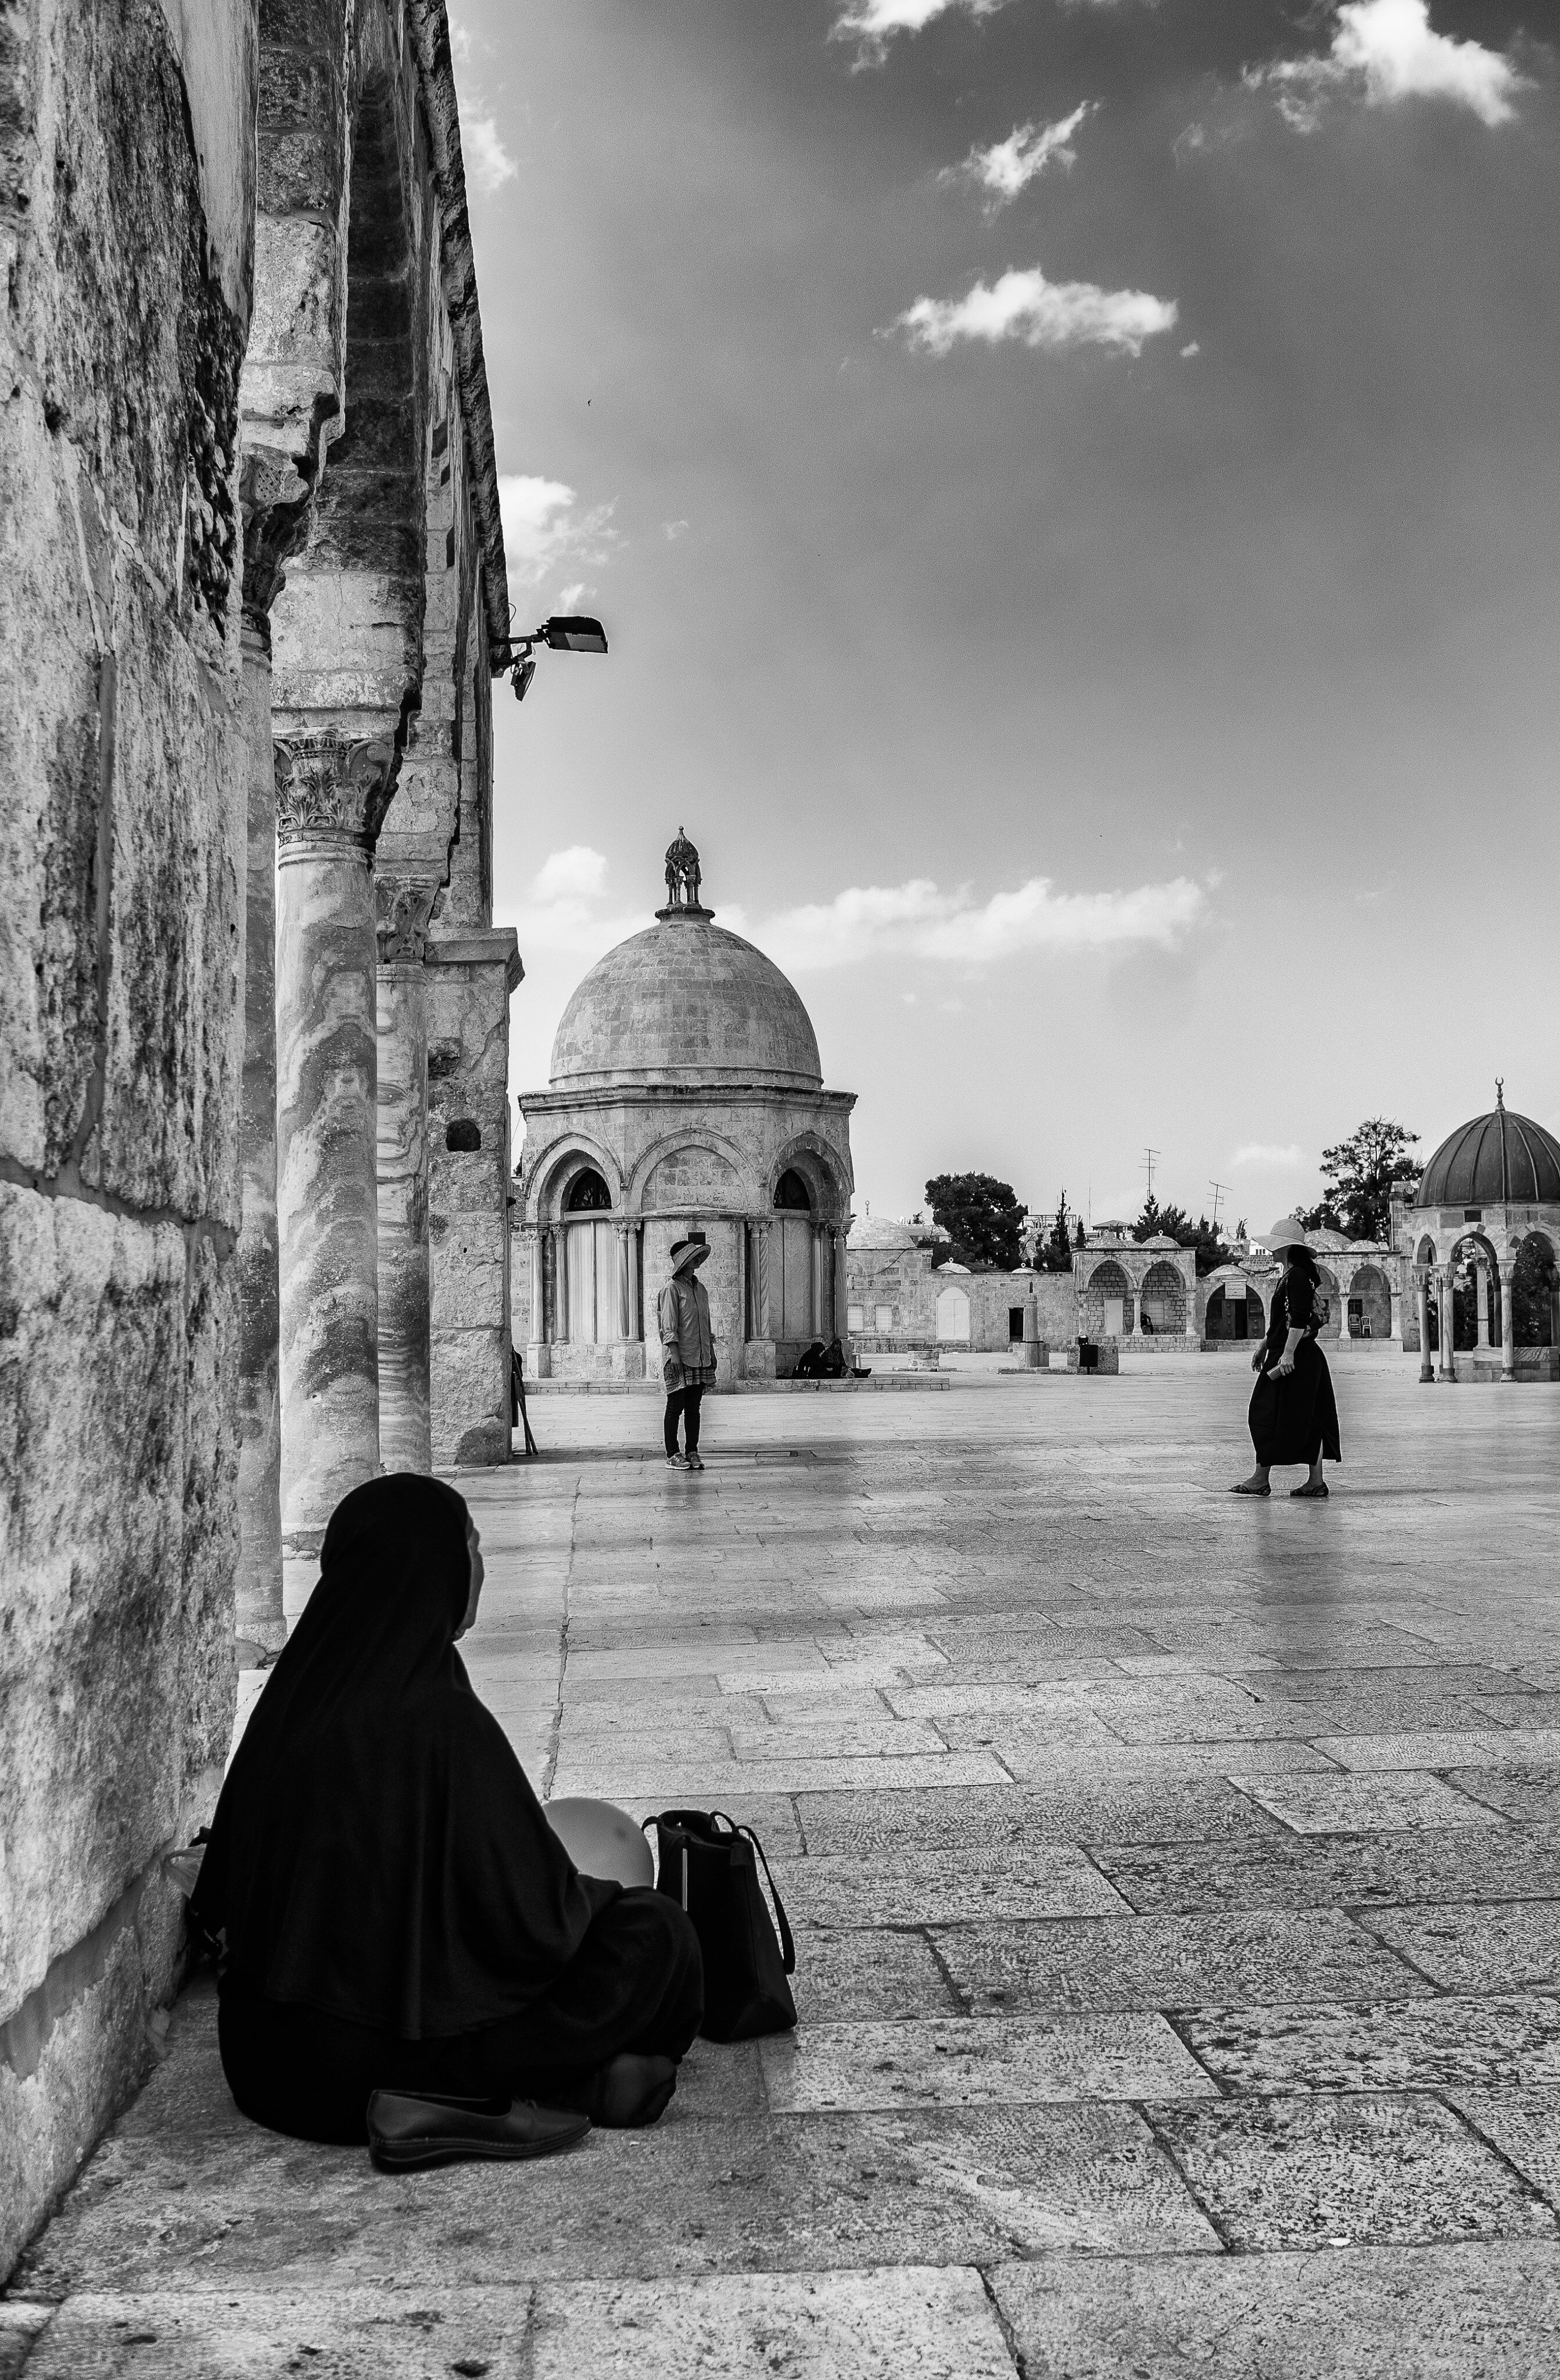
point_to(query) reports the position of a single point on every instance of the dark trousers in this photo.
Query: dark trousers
(636, 1983)
(685, 1402)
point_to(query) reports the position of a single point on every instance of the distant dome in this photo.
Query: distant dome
(1499, 1159)
(880, 1234)
(1161, 1240)
(686, 1001)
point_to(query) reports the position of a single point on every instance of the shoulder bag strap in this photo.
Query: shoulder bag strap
(788, 1947)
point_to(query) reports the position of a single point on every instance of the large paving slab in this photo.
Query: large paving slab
(1175, 1880)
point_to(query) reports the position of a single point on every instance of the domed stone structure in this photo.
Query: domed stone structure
(686, 1002)
(1499, 1159)
(686, 1096)
(1481, 1233)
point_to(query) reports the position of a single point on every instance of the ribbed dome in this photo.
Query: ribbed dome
(686, 1001)
(1499, 1159)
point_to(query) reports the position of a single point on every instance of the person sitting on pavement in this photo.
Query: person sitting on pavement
(809, 1367)
(834, 1367)
(392, 1908)
(687, 1351)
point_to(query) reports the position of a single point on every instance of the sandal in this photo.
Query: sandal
(1318, 1488)
(1250, 1488)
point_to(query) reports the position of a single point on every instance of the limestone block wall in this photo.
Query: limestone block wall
(904, 1280)
(470, 976)
(125, 211)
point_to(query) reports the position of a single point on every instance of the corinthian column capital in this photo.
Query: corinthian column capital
(331, 789)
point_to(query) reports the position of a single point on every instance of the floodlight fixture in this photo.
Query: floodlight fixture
(565, 632)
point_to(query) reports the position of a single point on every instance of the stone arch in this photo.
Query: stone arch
(820, 1166)
(1370, 1290)
(557, 1166)
(1535, 1292)
(1235, 1312)
(692, 1177)
(1164, 1299)
(1474, 1267)
(1105, 1309)
(715, 1145)
(953, 1313)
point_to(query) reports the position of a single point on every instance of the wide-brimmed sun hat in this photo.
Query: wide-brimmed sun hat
(688, 1255)
(1289, 1232)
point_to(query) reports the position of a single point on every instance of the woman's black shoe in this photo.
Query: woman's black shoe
(413, 2128)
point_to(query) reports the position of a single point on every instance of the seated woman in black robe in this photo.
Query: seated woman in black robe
(393, 1909)
(1293, 1417)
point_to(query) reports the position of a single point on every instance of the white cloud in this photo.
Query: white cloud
(1008, 166)
(1050, 314)
(1384, 51)
(919, 921)
(460, 41)
(1192, 349)
(872, 24)
(674, 530)
(566, 909)
(1268, 1155)
(488, 162)
(572, 596)
(545, 530)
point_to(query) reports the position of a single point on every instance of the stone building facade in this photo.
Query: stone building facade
(1484, 1213)
(904, 1295)
(686, 1096)
(252, 597)
(1140, 1289)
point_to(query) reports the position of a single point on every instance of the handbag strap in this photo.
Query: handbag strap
(788, 1946)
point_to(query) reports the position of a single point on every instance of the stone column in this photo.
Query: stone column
(1481, 1275)
(1343, 1313)
(403, 909)
(817, 1281)
(1447, 1297)
(1508, 1325)
(1422, 1302)
(259, 1584)
(842, 1308)
(1134, 1298)
(330, 795)
(1394, 1327)
(762, 1228)
(538, 1360)
(624, 1317)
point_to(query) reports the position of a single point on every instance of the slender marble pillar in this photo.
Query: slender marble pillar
(624, 1316)
(1482, 1277)
(259, 1584)
(331, 797)
(1508, 1325)
(406, 1430)
(817, 1281)
(762, 1231)
(1421, 1300)
(536, 1346)
(1448, 1296)
(841, 1311)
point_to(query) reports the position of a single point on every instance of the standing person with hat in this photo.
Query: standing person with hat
(688, 1349)
(1294, 1415)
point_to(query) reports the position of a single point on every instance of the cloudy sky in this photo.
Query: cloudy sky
(1072, 487)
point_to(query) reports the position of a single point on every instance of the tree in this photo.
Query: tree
(1177, 1224)
(1357, 1174)
(1054, 1254)
(981, 1216)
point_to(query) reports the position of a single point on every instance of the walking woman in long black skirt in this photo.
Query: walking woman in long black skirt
(1294, 1417)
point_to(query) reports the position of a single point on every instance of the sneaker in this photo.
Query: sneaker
(694, 1463)
(676, 1463)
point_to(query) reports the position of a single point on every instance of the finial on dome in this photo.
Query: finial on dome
(1500, 1090)
(682, 881)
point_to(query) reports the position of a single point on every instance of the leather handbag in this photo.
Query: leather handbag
(710, 1866)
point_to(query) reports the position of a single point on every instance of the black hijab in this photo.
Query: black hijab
(377, 1852)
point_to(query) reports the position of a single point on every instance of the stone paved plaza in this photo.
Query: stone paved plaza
(1177, 1882)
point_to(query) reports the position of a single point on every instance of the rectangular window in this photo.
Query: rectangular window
(884, 1317)
(1015, 1322)
(855, 1317)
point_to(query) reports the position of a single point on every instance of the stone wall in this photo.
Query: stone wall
(904, 1280)
(125, 216)
(469, 978)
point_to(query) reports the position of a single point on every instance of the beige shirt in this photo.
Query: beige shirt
(683, 1312)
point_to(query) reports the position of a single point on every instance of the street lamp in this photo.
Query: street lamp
(567, 632)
